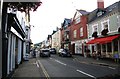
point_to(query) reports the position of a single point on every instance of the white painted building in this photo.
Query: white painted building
(56, 40)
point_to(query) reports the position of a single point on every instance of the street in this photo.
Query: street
(56, 66)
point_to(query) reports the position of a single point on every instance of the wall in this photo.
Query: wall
(112, 24)
(0, 40)
(77, 27)
(56, 40)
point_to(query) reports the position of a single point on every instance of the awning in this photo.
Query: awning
(13, 21)
(103, 40)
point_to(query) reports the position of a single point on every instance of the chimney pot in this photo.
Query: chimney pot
(100, 4)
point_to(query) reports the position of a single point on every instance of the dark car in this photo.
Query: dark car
(44, 52)
(53, 51)
(64, 53)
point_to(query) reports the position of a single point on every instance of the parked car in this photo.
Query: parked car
(64, 53)
(53, 51)
(44, 52)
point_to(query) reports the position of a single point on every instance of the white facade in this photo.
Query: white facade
(56, 40)
(15, 46)
(79, 46)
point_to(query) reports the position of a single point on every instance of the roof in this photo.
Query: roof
(83, 12)
(93, 15)
(66, 22)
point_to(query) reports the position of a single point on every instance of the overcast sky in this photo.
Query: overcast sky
(52, 13)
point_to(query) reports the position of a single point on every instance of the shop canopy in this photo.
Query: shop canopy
(103, 40)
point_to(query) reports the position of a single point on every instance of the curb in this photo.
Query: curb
(103, 64)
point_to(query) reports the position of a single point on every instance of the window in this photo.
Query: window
(105, 25)
(81, 31)
(77, 20)
(75, 33)
(118, 21)
(95, 28)
(99, 13)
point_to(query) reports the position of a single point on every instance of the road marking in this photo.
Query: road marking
(112, 68)
(37, 64)
(44, 71)
(60, 62)
(86, 74)
(50, 58)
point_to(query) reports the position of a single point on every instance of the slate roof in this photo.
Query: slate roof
(83, 12)
(66, 22)
(93, 15)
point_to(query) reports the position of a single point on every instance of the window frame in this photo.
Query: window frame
(81, 32)
(75, 33)
(108, 22)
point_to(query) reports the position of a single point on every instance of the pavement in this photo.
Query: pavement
(28, 69)
(32, 70)
(104, 62)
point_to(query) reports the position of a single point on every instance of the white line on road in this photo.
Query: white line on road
(44, 71)
(60, 62)
(37, 64)
(86, 74)
(50, 58)
(111, 68)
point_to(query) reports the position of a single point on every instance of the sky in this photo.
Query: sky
(51, 14)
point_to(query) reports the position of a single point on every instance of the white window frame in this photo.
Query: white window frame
(77, 20)
(118, 20)
(108, 22)
(93, 27)
(75, 33)
(81, 31)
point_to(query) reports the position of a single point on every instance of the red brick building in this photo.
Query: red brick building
(65, 34)
(78, 32)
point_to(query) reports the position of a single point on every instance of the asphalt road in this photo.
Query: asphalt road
(56, 66)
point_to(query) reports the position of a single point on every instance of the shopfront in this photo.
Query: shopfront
(106, 45)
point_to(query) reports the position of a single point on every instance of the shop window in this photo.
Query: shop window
(104, 47)
(115, 45)
(109, 47)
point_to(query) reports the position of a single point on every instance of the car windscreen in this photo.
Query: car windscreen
(66, 50)
(45, 50)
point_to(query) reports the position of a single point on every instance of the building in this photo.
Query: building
(104, 30)
(13, 34)
(65, 34)
(49, 41)
(56, 40)
(78, 32)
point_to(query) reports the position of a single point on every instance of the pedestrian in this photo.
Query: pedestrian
(98, 54)
(34, 53)
(116, 57)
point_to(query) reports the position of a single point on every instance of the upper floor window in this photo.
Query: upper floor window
(77, 20)
(99, 13)
(95, 28)
(81, 31)
(118, 21)
(75, 33)
(105, 25)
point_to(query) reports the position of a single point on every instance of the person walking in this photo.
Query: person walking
(116, 57)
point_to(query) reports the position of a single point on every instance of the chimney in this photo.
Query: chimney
(100, 4)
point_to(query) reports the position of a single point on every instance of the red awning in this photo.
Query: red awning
(103, 40)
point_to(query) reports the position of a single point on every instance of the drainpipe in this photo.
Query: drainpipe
(112, 48)
(5, 40)
(1, 3)
(106, 49)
